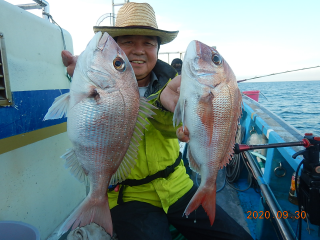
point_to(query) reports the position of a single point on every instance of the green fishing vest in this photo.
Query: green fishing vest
(158, 149)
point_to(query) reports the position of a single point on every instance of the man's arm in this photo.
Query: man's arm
(170, 94)
(169, 97)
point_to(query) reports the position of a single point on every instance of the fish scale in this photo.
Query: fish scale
(209, 106)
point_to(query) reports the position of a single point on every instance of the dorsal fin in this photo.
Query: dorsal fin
(234, 128)
(128, 162)
(59, 107)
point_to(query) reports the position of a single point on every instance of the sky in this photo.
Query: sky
(256, 37)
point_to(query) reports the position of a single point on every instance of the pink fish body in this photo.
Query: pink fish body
(103, 107)
(209, 106)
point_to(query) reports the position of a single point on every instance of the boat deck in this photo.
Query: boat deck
(228, 199)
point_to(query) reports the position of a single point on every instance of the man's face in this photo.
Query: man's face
(141, 52)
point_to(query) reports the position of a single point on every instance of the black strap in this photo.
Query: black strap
(161, 174)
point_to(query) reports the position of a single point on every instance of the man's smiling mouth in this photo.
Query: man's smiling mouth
(136, 61)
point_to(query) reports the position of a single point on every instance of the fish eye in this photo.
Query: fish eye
(217, 59)
(119, 64)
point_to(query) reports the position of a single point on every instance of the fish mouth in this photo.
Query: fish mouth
(205, 74)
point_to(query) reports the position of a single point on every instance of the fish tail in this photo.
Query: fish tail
(90, 210)
(205, 197)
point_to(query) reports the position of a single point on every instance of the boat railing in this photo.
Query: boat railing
(283, 225)
(39, 4)
(112, 15)
(180, 54)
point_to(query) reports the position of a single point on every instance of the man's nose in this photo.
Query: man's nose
(138, 50)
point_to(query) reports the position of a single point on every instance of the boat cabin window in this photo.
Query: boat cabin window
(5, 92)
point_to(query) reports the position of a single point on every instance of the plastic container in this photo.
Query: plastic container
(254, 94)
(12, 230)
(292, 192)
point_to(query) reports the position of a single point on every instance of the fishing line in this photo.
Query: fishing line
(62, 35)
(224, 180)
(54, 22)
(264, 96)
(276, 73)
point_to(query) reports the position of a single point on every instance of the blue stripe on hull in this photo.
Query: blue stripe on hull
(28, 112)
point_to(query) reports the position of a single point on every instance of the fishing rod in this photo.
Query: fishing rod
(308, 191)
(238, 148)
(276, 74)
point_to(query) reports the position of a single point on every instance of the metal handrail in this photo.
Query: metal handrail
(40, 4)
(284, 227)
(172, 53)
(105, 16)
(113, 11)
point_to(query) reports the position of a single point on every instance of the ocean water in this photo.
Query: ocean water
(296, 102)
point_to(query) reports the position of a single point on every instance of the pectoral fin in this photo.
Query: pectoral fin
(59, 107)
(206, 114)
(179, 112)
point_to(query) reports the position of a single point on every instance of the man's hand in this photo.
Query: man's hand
(69, 61)
(169, 98)
(170, 95)
(183, 136)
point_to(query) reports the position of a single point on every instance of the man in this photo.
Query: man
(152, 197)
(177, 65)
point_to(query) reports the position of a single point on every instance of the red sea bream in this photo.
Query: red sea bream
(209, 107)
(103, 108)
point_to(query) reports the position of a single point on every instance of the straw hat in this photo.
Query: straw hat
(137, 19)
